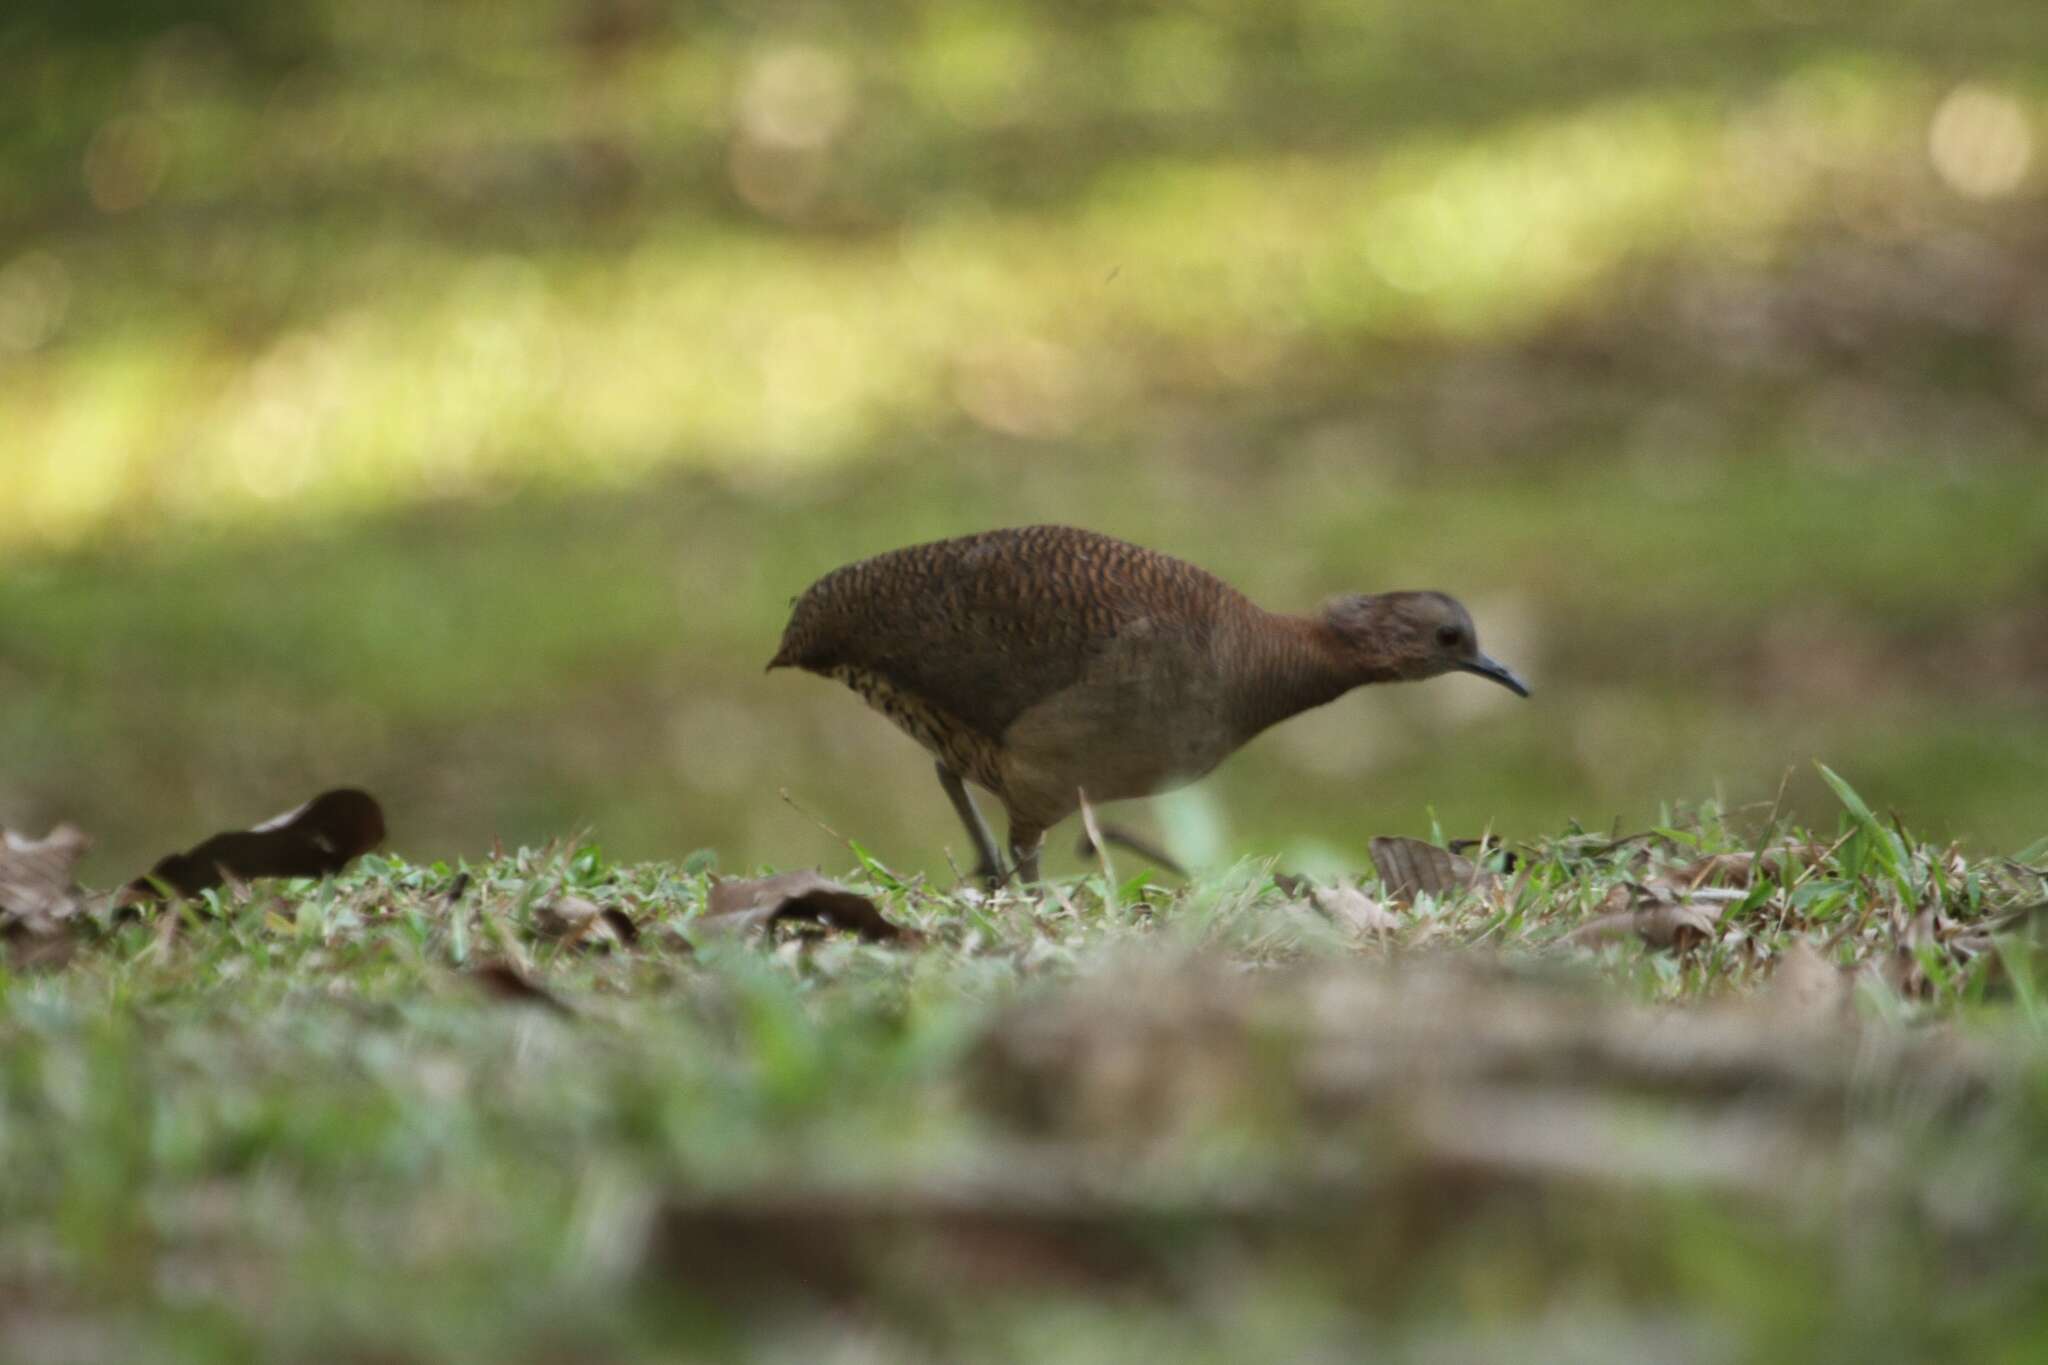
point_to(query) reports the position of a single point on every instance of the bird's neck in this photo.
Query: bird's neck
(1285, 665)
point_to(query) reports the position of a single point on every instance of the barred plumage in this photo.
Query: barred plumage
(1045, 660)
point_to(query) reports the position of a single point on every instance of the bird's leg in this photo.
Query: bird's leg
(1122, 838)
(1024, 844)
(987, 866)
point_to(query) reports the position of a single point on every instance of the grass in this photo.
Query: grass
(376, 414)
(388, 363)
(291, 1122)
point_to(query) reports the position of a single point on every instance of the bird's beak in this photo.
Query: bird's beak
(1498, 672)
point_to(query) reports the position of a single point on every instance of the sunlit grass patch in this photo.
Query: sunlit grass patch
(384, 366)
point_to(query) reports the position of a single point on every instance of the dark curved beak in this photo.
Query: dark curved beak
(1497, 672)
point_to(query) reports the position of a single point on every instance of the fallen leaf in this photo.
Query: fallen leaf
(1739, 869)
(576, 920)
(1411, 867)
(1660, 923)
(1615, 921)
(37, 893)
(567, 917)
(1683, 925)
(503, 981)
(751, 903)
(320, 837)
(1352, 908)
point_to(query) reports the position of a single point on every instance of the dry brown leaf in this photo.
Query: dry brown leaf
(568, 917)
(1411, 867)
(578, 921)
(1615, 921)
(1682, 925)
(322, 836)
(1739, 869)
(752, 903)
(1352, 908)
(37, 894)
(502, 980)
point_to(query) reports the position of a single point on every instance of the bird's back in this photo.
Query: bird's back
(982, 628)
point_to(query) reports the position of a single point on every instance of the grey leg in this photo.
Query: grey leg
(1119, 837)
(1024, 844)
(987, 866)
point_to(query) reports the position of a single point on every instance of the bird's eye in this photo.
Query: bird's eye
(1448, 636)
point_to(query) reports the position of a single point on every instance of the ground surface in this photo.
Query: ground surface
(1716, 1091)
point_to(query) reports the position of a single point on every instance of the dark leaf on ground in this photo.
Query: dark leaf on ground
(753, 903)
(1410, 867)
(321, 837)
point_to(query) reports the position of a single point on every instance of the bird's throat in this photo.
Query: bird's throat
(1284, 665)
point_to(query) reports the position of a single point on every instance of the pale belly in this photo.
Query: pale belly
(1137, 725)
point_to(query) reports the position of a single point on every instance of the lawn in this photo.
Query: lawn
(1718, 1090)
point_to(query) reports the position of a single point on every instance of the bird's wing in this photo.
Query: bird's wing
(986, 626)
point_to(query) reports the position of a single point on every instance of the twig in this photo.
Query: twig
(791, 802)
(844, 842)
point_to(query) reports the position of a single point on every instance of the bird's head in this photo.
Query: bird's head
(1414, 635)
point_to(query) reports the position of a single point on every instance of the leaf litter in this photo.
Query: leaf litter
(804, 897)
(40, 902)
(321, 837)
(1410, 867)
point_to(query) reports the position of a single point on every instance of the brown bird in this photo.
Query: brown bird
(1044, 662)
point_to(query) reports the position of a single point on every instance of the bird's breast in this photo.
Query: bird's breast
(948, 738)
(1147, 715)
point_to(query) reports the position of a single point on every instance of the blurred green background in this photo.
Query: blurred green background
(449, 398)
